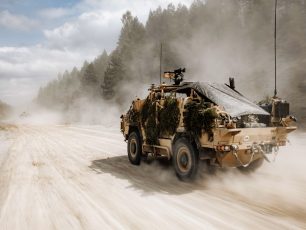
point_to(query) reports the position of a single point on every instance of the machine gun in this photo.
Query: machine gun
(177, 75)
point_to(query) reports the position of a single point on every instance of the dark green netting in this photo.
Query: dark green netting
(157, 119)
(145, 111)
(198, 117)
(134, 116)
(169, 116)
(148, 121)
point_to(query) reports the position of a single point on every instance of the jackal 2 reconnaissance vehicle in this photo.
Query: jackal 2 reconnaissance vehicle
(192, 121)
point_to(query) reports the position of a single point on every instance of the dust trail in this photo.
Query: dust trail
(75, 176)
(279, 187)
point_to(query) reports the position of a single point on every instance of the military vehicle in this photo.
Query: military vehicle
(190, 121)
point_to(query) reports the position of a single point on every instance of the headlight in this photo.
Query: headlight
(227, 148)
(223, 148)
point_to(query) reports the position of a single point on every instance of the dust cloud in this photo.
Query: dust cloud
(82, 111)
(277, 185)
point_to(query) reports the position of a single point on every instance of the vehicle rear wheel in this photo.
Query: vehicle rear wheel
(134, 148)
(252, 167)
(185, 159)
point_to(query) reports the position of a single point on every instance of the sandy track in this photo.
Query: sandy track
(79, 177)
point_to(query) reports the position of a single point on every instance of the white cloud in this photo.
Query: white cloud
(139, 8)
(23, 70)
(54, 13)
(16, 22)
(99, 25)
(90, 32)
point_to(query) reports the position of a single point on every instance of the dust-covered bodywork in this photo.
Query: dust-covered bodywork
(193, 121)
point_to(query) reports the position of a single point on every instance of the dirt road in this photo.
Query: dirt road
(79, 177)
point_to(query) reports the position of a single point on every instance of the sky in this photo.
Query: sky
(39, 39)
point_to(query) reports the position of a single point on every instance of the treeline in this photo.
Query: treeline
(214, 39)
(62, 92)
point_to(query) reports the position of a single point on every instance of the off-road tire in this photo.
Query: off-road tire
(134, 148)
(185, 159)
(252, 167)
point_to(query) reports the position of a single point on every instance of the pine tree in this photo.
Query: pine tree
(113, 75)
(100, 66)
(89, 80)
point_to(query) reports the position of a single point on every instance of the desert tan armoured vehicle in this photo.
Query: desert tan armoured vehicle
(193, 121)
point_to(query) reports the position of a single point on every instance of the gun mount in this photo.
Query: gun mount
(176, 76)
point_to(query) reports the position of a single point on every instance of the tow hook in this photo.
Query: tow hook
(256, 148)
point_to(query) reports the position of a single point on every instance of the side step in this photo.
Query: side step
(157, 150)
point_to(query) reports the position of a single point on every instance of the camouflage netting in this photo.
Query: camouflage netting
(158, 120)
(148, 120)
(163, 120)
(145, 111)
(152, 129)
(169, 116)
(134, 116)
(198, 117)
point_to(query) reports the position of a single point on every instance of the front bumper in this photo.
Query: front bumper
(243, 155)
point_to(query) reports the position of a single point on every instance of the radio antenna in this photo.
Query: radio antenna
(160, 62)
(275, 8)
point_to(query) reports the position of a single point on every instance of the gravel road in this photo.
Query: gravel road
(79, 177)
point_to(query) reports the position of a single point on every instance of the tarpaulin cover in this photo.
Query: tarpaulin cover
(232, 102)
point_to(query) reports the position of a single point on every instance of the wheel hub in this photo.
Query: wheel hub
(133, 148)
(184, 160)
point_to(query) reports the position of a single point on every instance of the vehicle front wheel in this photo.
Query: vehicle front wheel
(185, 159)
(134, 148)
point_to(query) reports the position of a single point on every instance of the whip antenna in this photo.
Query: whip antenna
(160, 62)
(275, 8)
